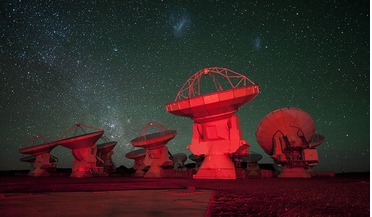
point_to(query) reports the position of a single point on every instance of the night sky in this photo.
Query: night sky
(115, 64)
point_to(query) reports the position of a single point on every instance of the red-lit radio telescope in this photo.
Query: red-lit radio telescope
(42, 156)
(104, 155)
(216, 129)
(157, 155)
(31, 159)
(138, 156)
(288, 136)
(84, 150)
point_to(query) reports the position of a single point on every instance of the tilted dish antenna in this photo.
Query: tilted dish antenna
(288, 136)
(157, 154)
(104, 155)
(198, 159)
(138, 156)
(41, 154)
(216, 129)
(179, 160)
(32, 158)
(253, 169)
(83, 149)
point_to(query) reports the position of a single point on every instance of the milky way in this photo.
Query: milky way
(115, 64)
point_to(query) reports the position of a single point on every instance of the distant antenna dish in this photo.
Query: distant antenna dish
(237, 156)
(84, 150)
(136, 153)
(156, 150)
(316, 140)
(153, 140)
(287, 134)
(252, 158)
(197, 159)
(138, 156)
(105, 148)
(253, 170)
(104, 155)
(31, 159)
(216, 130)
(179, 160)
(38, 149)
(41, 153)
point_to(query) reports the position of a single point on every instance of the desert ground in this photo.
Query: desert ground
(342, 195)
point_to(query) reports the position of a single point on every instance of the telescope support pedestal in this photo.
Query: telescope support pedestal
(40, 166)
(84, 164)
(156, 158)
(216, 167)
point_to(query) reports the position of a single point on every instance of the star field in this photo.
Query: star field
(115, 64)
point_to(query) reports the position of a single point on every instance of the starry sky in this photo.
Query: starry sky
(115, 64)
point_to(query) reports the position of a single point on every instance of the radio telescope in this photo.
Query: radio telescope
(253, 170)
(239, 155)
(216, 130)
(156, 150)
(197, 159)
(41, 160)
(179, 160)
(84, 150)
(288, 136)
(104, 154)
(138, 156)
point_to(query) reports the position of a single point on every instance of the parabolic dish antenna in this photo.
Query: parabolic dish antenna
(156, 150)
(41, 153)
(153, 140)
(197, 159)
(216, 130)
(190, 103)
(31, 158)
(136, 153)
(138, 156)
(83, 148)
(106, 147)
(253, 170)
(80, 141)
(288, 135)
(39, 149)
(253, 157)
(179, 160)
(288, 121)
(104, 155)
(316, 140)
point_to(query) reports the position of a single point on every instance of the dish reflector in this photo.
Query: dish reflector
(106, 147)
(288, 136)
(156, 150)
(287, 121)
(136, 154)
